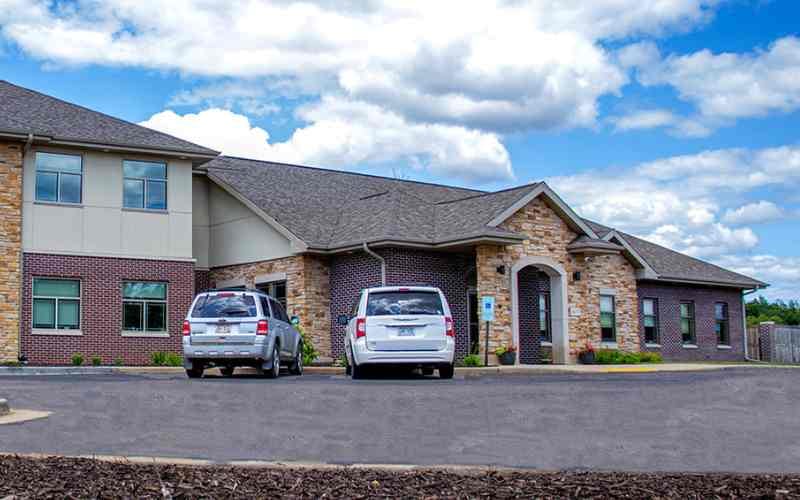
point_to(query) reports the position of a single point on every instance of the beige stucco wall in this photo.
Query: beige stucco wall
(548, 236)
(99, 225)
(225, 232)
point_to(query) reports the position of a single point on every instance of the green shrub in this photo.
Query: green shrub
(158, 358)
(471, 360)
(11, 364)
(77, 359)
(97, 361)
(309, 353)
(172, 359)
(118, 362)
(650, 357)
(614, 357)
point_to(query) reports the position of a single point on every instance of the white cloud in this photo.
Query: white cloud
(726, 86)
(679, 201)
(781, 272)
(345, 134)
(753, 213)
(644, 119)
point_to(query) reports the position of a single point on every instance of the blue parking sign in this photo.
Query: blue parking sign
(487, 308)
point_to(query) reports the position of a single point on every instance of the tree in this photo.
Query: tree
(781, 312)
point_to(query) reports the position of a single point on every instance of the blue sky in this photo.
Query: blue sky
(678, 123)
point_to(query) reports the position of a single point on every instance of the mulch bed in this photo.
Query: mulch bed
(22, 477)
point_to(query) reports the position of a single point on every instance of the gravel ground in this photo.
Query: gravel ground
(84, 478)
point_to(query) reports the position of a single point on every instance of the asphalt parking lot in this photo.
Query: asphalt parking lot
(737, 420)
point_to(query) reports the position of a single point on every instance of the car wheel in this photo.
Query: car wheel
(356, 372)
(447, 371)
(196, 371)
(226, 371)
(427, 372)
(296, 368)
(275, 371)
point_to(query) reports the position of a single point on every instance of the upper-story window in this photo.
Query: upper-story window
(145, 185)
(608, 319)
(58, 177)
(721, 323)
(650, 320)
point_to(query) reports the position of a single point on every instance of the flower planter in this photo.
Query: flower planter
(586, 358)
(507, 358)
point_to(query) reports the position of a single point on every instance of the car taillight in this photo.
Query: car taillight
(187, 329)
(450, 330)
(361, 327)
(262, 328)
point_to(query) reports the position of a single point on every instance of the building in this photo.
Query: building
(109, 228)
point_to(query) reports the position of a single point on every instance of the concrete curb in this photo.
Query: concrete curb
(55, 370)
(20, 416)
(278, 465)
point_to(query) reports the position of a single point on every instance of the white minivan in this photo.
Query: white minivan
(400, 325)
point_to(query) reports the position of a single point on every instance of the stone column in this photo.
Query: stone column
(10, 249)
(491, 282)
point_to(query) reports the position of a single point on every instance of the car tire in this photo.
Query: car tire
(447, 371)
(427, 372)
(348, 370)
(296, 368)
(275, 371)
(226, 371)
(356, 372)
(196, 371)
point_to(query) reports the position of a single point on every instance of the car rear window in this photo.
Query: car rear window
(397, 303)
(225, 305)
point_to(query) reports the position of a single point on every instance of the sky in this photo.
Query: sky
(674, 120)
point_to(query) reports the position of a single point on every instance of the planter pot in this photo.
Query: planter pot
(508, 358)
(586, 358)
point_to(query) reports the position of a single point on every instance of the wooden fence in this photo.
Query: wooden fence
(754, 343)
(785, 343)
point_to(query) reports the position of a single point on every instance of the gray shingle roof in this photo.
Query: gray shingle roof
(329, 210)
(26, 111)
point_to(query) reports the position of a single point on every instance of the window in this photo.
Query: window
(275, 289)
(145, 185)
(225, 305)
(721, 323)
(58, 178)
(608, 320)
(56, 304)
(545, 334)
(397, 303)
(144, 307)
(278, 312)
(650, 319)
(687, 322)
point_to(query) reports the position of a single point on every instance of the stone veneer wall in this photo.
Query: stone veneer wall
(101, 308)
(307, 291)
(10, 248)
(669, 298)
(202, 280)
(450, 272)
(549, 236)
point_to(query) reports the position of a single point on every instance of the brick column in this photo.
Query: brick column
(765, 331)
(10, 248)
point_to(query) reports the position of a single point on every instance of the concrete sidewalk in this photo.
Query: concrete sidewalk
(461, 372)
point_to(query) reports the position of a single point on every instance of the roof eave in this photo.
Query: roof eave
(439, 245)
(751, 285)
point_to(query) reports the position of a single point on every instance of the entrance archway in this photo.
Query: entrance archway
(559, 312)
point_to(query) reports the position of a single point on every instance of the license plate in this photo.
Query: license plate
(405, 332)
(223, 329)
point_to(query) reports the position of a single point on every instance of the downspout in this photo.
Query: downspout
(382, 261)
(744, 325)
(20, 355)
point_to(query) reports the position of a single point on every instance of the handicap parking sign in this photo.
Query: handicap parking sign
(487, 308)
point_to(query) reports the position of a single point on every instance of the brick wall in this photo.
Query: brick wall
(669, 298)
(449, 271)
(101, 307)
(307, 291)
(10, 248)
(531, 282)
(202, 280)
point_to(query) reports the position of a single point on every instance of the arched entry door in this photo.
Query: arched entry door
(533, 280)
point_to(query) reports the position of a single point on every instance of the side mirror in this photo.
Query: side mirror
(343, 319)
(295, 320)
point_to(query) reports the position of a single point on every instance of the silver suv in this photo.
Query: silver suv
(231, 327)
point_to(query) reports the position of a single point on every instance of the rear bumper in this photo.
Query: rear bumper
(223, 352)
(365, 356)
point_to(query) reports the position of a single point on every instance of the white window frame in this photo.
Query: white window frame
(38, 330)
(144, 332)
(58, 173)
(146, 181)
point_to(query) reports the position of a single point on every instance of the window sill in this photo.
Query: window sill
(689, 346)
(146, 210)
(608, 345)
(58, 204)
(653, 346)
(135, 334)
(724, 347)
(56, 333)
(545, 343)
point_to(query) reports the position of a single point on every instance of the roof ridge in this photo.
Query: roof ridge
(373, 176)
(489, 193)
(117, 119)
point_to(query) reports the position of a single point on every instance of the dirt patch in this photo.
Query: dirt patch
(24, 477)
